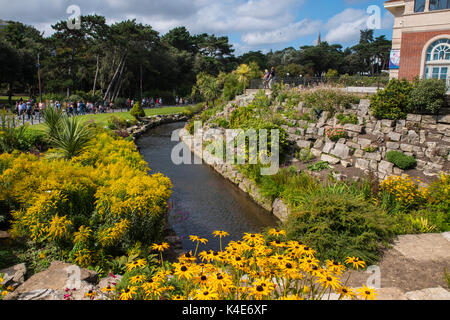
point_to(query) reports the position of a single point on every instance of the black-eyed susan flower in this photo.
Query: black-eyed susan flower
(335, 267)
(328, 280)
(160, 247)
(345, 292)
(221, 234)
(108, 289)
(206, 293)
(136, 264)
(91, 294)
(367, 293)
(355, 262)
(127, 294)
(276, 233)
(184, 271)
(138, 279)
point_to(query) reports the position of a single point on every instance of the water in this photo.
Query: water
(203, 201)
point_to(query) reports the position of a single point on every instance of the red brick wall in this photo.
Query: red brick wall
(411, 52)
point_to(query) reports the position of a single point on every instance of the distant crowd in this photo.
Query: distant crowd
(30, 109)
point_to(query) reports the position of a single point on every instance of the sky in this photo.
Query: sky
(250, 24)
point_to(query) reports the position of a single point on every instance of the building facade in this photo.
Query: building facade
(421, 39)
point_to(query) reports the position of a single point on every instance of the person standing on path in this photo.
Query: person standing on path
(272, 77)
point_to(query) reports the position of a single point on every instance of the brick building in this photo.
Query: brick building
(421, 39)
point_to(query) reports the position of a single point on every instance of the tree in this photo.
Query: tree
(207, 86)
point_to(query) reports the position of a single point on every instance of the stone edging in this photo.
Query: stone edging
(277, 207)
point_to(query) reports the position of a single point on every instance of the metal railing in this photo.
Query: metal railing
(351, 81)
(36, 118)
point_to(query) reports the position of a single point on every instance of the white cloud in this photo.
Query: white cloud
(285, 34)
(346, 25)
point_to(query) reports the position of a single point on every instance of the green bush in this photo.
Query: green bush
(401, 160)
(392, 102)
(120, 103)
(319, 166)
(340, 225)
(231, 86)
(328, 100)
(137, 112)
(428, 96)
(347, 118)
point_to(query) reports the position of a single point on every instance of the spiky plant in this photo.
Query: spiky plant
(71, 138)
(52, 120)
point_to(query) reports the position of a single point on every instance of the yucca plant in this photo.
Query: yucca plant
(52, 120)
(71, 138)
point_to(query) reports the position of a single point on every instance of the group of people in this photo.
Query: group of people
(270, 78)
(146, 102)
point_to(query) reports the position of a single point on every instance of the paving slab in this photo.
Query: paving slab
(438, 293)
(424, 247)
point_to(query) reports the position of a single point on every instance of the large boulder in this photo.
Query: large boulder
(52, 283)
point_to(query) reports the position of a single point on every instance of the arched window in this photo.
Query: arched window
(437, 63)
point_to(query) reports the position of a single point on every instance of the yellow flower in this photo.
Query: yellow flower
(160, 247)
(90, 294)
(328, 280)
(274, 232)
(206, 293)
(367, 293)
(136, 264)
(198, 239)
(127, 294)
(221, 234)
(58, 227)
(345, 292)
(184, 271)
(108, 289)
(82, 235)
(138, 279)
(355, 262)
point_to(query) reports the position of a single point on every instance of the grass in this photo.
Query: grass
(4, 99)
(102, 118)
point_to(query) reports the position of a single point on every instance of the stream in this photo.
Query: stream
(202, 200)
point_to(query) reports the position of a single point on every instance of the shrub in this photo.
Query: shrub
(347, 118)
(12, 138)
(340, 225)
(319, 166)
(304, 155)
(392, 102)
(334, 134)
(120, 103)
(71, 138)
(90, 208)
(402, 192)
(328, 100)
(401, 160)
(428, 96)
(137, 112)
(232, 87)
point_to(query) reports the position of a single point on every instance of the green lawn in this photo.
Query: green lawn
(102, 118)
(4, 99)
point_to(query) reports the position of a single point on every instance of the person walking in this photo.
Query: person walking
(272, 77)
(266, 79)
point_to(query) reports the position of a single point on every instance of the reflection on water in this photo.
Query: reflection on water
(202, 200)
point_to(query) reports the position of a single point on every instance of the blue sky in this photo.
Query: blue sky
(250, 24)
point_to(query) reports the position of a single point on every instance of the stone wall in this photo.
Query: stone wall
(425, 137)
